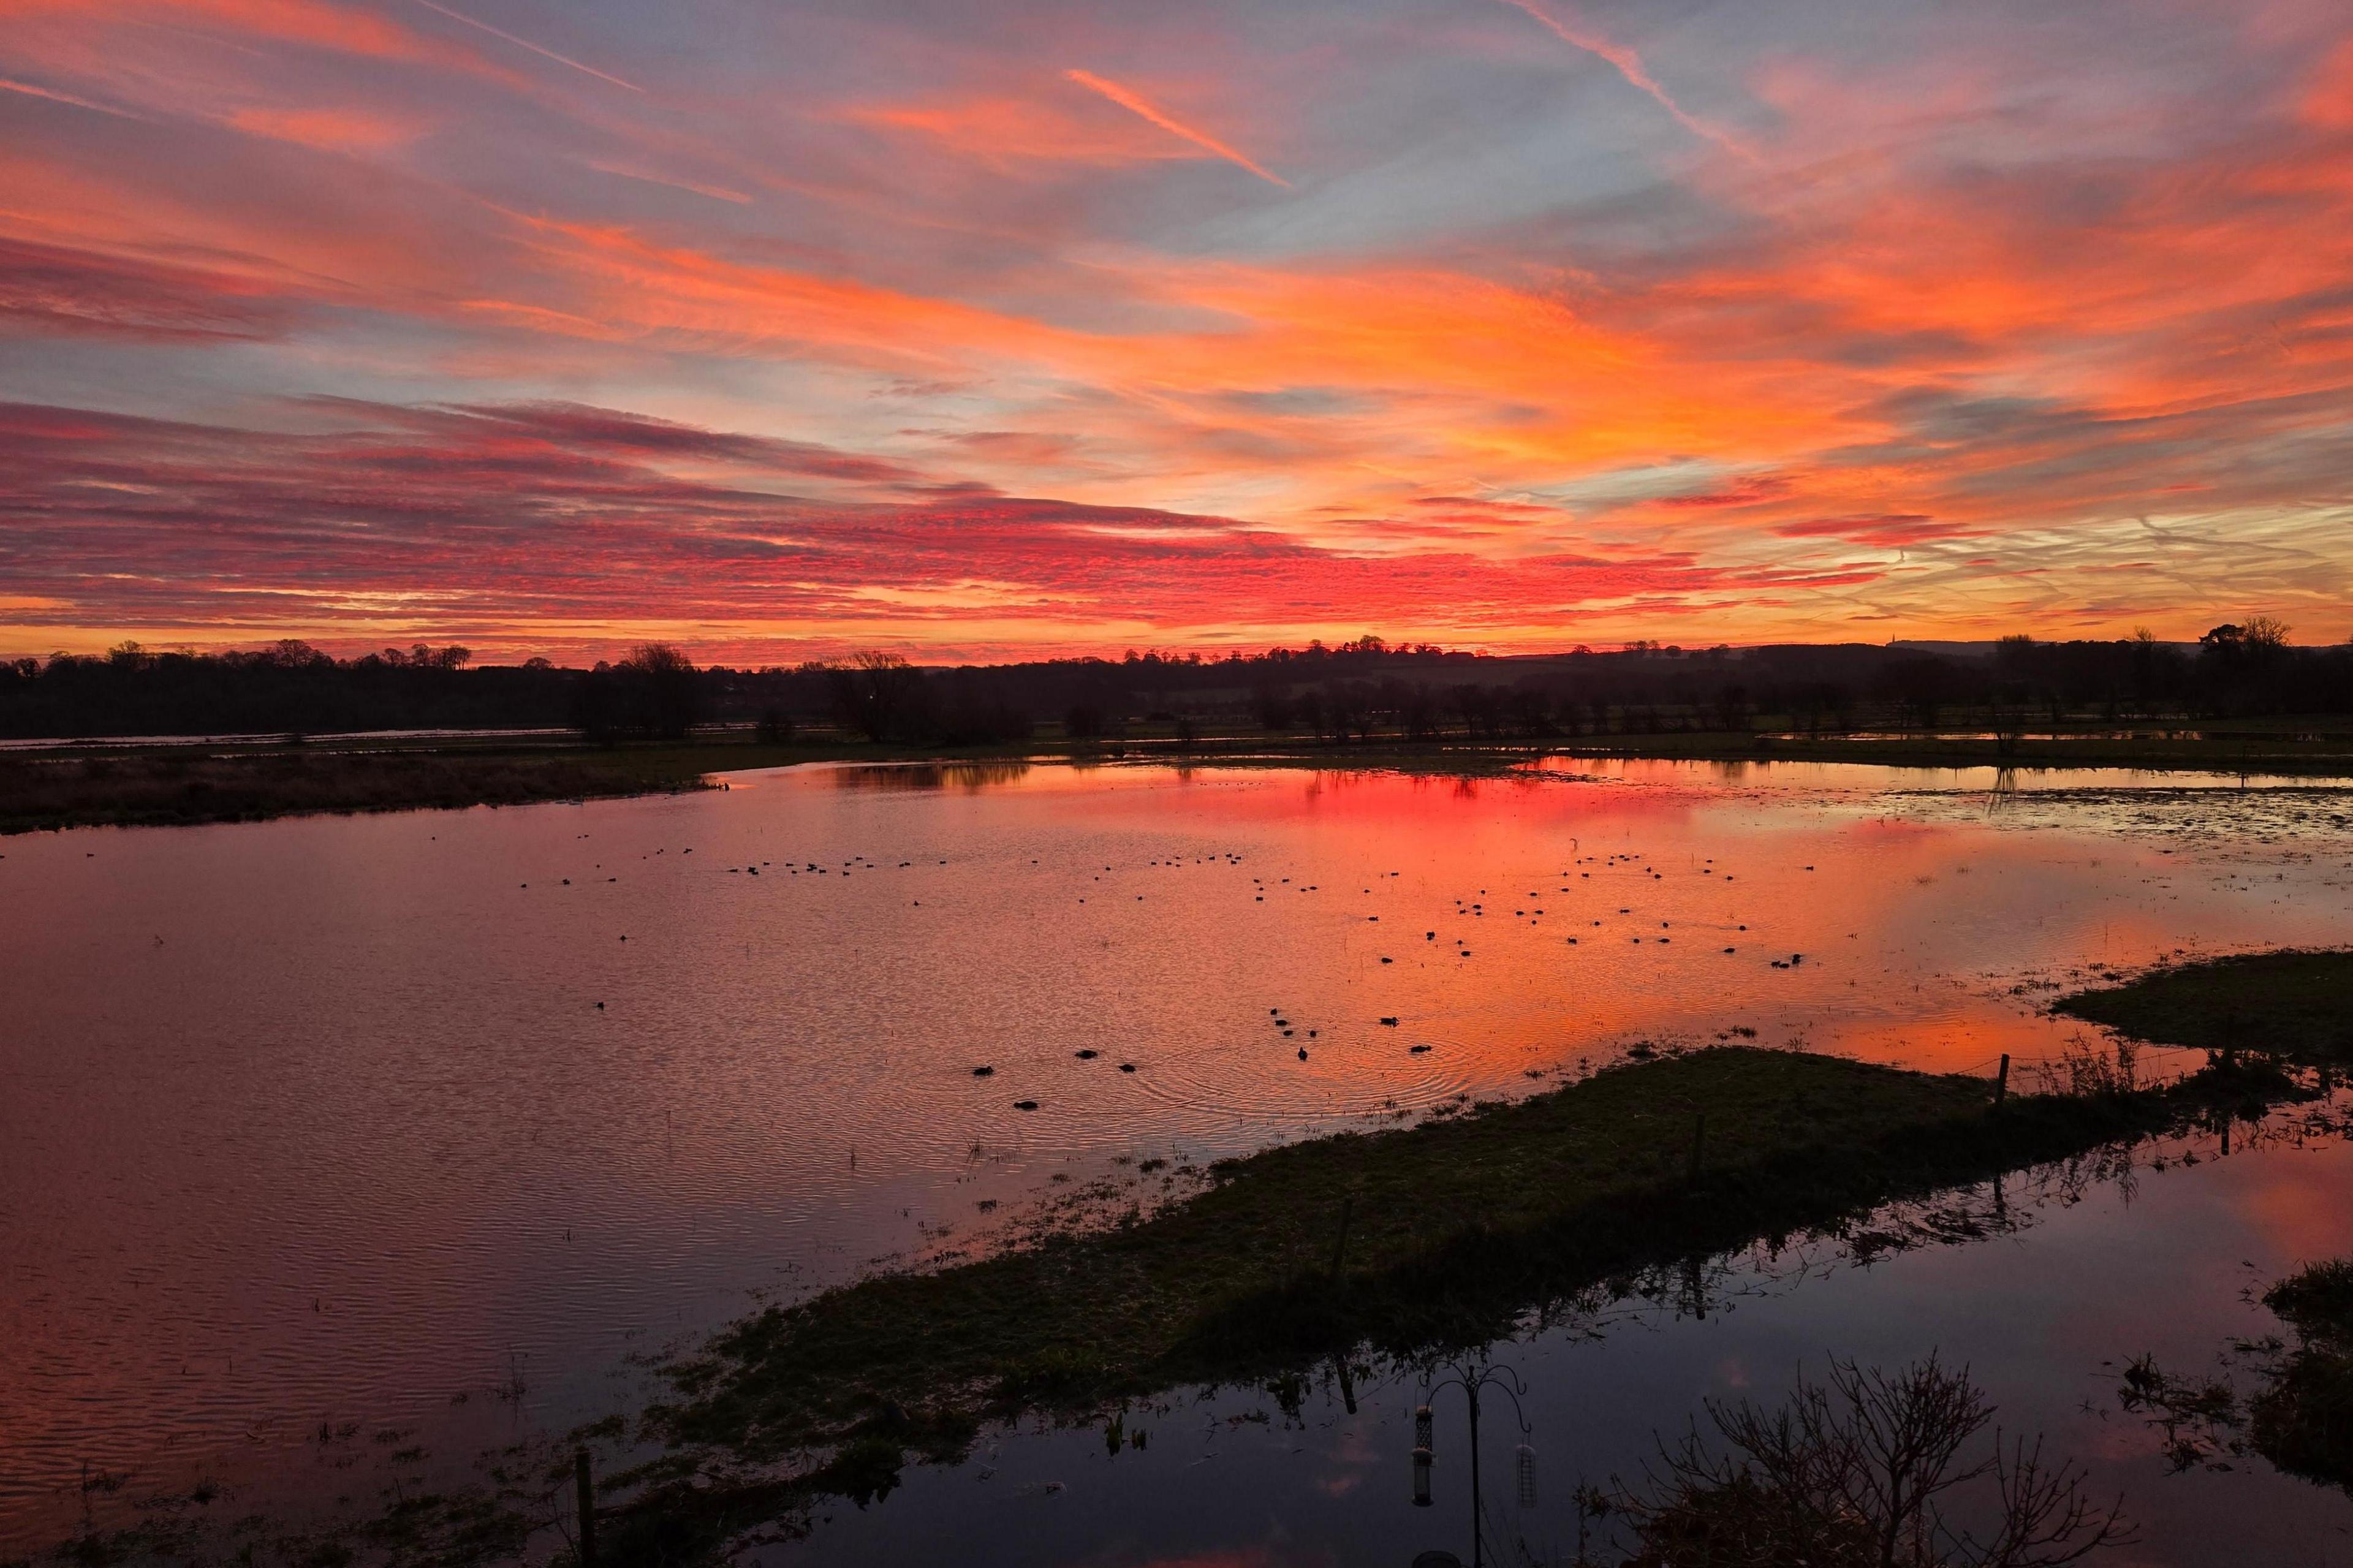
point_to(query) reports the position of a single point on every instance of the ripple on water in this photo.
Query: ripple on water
(1225, 1087)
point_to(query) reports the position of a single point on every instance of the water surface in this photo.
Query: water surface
(426, 1125)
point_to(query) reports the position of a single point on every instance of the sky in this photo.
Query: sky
(780, 329)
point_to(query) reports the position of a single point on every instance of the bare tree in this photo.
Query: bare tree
(875, 692)
(2264, 632)
(665, 695)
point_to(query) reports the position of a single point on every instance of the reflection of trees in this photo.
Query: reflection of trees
(972, 778)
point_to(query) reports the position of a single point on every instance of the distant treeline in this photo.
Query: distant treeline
(1353, 691)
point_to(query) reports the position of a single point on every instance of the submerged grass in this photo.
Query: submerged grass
(2295, 1001)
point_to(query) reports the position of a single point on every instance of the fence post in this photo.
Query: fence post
(2001, 1081)
(587, 1507)
(1340, 1252)
(1699, 1144)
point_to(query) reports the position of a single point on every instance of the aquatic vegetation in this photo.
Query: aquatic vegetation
(2298, 1412)
(2303, 1419)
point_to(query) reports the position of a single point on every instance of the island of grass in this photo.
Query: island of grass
(2292, 1002)
(1399, 1243)
(176, 786)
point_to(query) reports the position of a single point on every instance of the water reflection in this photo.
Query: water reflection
(323, 1121)
(1472, 1379)
(970, 777)
(2023, 1289)
(1327, 1462)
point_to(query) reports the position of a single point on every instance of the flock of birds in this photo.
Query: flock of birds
(1531, 911)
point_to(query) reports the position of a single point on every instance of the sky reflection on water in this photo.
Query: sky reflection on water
(2043, 1314)
(321, 1120)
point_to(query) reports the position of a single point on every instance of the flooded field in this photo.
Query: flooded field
(335, 1149)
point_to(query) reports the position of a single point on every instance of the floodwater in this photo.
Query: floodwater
(332, 1145)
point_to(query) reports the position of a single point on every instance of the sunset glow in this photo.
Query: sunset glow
(977, 333)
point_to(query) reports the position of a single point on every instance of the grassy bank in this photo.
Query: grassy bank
(2294, 1003)
(176, 786)
(1402, 1242)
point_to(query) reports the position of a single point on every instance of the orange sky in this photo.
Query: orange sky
(978, 331)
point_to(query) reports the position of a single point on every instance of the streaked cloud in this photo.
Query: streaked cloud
(820, 323)
(540, 49)
(1143, 107)
(1628, 64)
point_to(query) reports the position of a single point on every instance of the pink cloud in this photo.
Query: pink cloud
(509, 525)
(50, 289)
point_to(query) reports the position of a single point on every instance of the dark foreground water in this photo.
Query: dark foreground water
(319, 1124)
(2093, 1272)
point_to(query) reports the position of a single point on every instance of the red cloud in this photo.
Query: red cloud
(58, 291)
(509, 525)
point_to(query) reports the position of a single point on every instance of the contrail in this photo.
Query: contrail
(534, 49)
(1175, 127)
(29, 90)
(1630, 65)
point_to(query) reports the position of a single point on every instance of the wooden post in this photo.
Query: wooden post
(1699, 1144)
(2001, 1081)
(1340, 1252)
(587, 1507)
